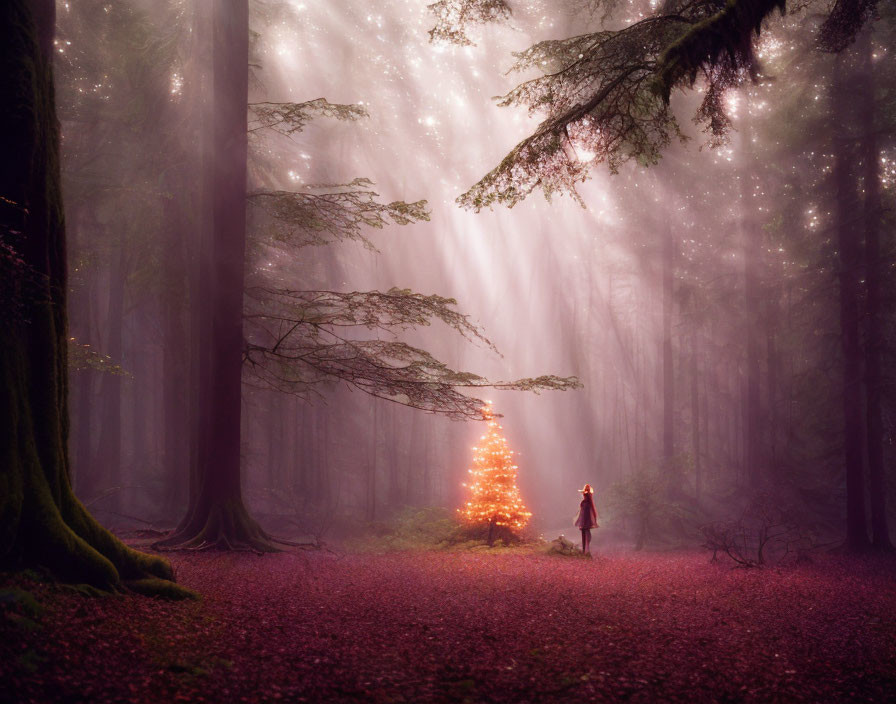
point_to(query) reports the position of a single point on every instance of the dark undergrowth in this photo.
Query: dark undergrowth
(508, 625)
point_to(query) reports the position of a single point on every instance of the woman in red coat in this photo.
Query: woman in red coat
(587, 518)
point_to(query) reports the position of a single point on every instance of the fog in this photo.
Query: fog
(695, 300)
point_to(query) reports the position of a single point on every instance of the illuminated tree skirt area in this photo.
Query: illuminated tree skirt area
(506, 625)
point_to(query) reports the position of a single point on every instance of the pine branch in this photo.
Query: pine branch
(396, 309)
(393, 371)
(327, 213)
(289, 118)
(600, 105)
(846, 19)
(300, 339)
(724, 39)
(605, 95)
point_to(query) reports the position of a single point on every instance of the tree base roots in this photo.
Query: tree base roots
(227, 526)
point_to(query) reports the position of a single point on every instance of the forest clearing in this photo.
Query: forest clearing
(507, 625)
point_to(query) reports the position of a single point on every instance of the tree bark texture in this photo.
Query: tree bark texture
(41, 521)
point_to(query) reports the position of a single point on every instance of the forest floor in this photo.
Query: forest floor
(503, 626)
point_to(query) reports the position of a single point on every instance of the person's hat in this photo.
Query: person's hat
(586, 490)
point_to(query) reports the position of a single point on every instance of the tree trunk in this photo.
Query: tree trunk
(305, 451)
(491, 531)
(108, 453)
(199, 281)
(175, 358)
(428, 496)
(41, 521)
(275, 408)
(82, 386)
(140, 400)
(393, 463)
(771, 323)
(695, 415)
(321, 467)
(370, 508)
(751, 235)
(217, 517)
(707, 416)
(846, 212)
(670, 470)
(641, 540)
(874, 340)
(184, 218)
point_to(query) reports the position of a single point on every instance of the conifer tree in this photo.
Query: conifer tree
(604, 95)
(494, 496)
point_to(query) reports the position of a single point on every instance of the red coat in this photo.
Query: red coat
(587, 517)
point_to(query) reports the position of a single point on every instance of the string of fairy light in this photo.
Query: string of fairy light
(494, 495)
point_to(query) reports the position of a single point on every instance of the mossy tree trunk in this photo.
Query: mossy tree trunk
(217, 517)
(42, 523)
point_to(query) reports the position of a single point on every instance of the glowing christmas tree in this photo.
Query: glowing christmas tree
(494, 497)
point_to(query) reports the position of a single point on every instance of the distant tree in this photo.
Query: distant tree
(803, 267)
(128, 172)
(42, 522)
(641, 499)
(668, 286)
(216, 515)
(875, 341)
(846, 205)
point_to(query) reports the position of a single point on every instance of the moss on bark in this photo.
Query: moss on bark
(42, 523)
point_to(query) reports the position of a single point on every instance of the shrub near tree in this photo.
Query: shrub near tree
(641, 502)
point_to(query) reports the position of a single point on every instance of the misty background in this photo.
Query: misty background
(558, 288)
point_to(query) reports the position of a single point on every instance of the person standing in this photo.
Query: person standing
(587, 518)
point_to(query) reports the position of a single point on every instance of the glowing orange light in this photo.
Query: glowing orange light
(494, 495)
